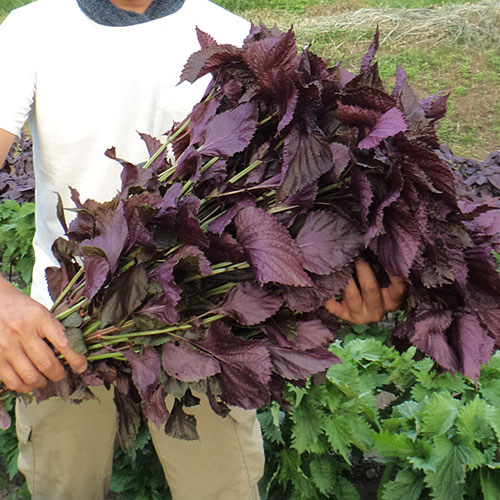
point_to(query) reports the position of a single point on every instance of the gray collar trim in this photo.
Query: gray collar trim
(105, 13)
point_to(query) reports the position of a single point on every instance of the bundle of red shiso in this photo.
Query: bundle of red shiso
(209, 271)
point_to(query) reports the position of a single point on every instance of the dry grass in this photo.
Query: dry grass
(475, 24)
(471, 24)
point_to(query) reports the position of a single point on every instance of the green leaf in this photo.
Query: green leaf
(290, 467)
(308, 423)
(447, 482)
(270, 431)
(472, 422)
(492, 415)
(323, 474)
(407, 485)
(345, 377)
(490, 390)
(338, 431)
(439, 414)
(490, 484)
(345, 490)
(394, 445)
(408, 409)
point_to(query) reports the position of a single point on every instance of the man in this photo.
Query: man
(87, 75)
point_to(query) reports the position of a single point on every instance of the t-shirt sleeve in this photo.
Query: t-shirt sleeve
(18, 81)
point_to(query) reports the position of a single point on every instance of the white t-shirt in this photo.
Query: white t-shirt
(86, 87)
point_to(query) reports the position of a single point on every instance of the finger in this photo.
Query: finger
(370, 288)
(394, 294)
(11, 380)
(55, 335)
(352, 298)
(26, 370)
(338, 309)
(42, 356)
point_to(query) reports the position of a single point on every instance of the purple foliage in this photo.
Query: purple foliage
(287, 173)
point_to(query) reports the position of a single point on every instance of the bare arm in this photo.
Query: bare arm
(26, 360)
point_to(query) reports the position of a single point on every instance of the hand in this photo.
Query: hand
(27, 362)
(369, 302)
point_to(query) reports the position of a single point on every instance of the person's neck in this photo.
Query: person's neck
(139, 6)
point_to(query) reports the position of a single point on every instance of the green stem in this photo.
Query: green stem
(233, 267)
(93, 327)
(71, 310)
(220, 289)
(167, 173)
(166, 143)
(213, 318)
(277, 210)
(110, 355)
(126, 336)
(68, 287)
(244, 172)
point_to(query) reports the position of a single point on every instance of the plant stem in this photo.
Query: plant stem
(166, 143)
(71, 310)
(244, 172)
(232, 267)
(66, 290)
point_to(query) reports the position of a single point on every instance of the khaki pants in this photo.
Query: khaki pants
(66, 451)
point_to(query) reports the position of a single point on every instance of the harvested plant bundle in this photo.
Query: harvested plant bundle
(209, 270)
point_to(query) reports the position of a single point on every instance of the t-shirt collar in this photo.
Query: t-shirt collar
(105, 13)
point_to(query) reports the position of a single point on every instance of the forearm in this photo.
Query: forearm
(6, 140)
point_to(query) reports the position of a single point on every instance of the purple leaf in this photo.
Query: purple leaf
(246, 366)
(361, 186)
(401, 77)
(224, 248)
(155, 409)
(312, 334)
(307, 156)
(4, 417)
(164, 306)
(231, 131)
(341, 156)
(401, 243)
(474, 346)
(270, 248)
(201, 115)
(96, 272)
(426, 330)
(112, 236)
(204, 61)
(219, 224)
(124, 295)
(372, 50)
(328, 242)
(187, 364)
(298, 365)
(180, 425)
(187, 225)
(390, 123)
(153, 145)
(189, 164)
(145, 370)
(128, 421)
(310, 299)
(249, 304)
